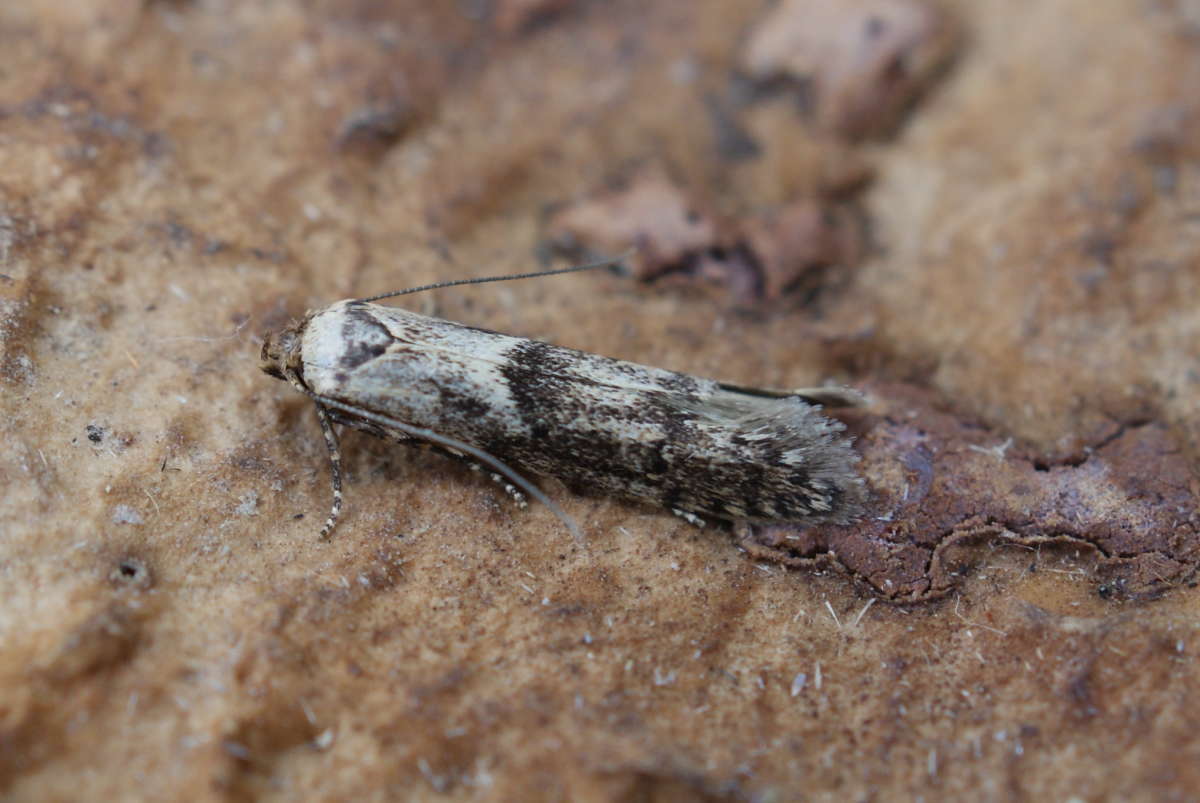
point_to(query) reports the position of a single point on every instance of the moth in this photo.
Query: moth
(700, 448)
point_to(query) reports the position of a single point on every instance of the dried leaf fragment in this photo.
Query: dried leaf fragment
(865, 60)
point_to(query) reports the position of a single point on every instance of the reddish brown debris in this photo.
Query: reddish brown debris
(1166, 134)
(793, 245)
(942, 491)
(650, 213)
(865, 60)
(677, 240)
(374, 127)
(513, 16)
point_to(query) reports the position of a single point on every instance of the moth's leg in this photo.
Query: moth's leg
(448, 451)
(335, 465)
(509, 488)
(690, 518)
(512, 491)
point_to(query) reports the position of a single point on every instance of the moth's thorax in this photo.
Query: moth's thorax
(338, 340)
(353, 346)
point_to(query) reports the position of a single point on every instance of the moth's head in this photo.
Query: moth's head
(281, 350)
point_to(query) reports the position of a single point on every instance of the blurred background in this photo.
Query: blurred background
(983, 214)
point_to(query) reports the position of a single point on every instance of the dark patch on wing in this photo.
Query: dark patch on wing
(462, 406)
(750, 486)
(553, 394)
(658, 464)
(671, 497)
(365, 337)
(534, 376)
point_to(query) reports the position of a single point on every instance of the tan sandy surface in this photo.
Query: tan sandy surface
(1015, 618)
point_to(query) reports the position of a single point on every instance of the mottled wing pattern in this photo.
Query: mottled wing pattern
(598, 424)
(782, 459)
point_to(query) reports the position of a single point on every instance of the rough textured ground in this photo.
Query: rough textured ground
(984, 214)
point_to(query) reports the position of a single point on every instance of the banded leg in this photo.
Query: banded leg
(331, 444)
(446, 451)
(335, 465)
(512, 491)
(690, 518)
(499, 479)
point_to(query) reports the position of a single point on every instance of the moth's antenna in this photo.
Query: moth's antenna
(603, 263)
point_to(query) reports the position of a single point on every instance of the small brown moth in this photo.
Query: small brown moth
(698, 447)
